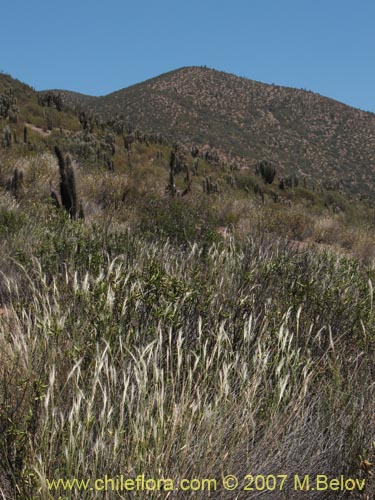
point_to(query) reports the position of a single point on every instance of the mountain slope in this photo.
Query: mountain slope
(245, 121)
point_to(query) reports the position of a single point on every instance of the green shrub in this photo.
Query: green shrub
(11, 221)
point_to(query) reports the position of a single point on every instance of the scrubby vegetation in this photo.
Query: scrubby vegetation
(199, 320)
(243, 121)
(125, 355)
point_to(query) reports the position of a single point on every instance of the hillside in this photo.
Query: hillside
(166, 314)
(246, 121)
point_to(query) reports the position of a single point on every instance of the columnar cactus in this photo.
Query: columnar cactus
(267, 170)
(171, 187)
(7, 137)
(67, 184)
(209, 186)
(195, 166)
(14, 184)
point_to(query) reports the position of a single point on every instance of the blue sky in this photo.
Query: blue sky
(98, 46)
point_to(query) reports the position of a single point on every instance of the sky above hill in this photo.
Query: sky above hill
(96, 47)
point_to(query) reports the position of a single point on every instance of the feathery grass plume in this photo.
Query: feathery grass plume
(68, 191)
(284, 370)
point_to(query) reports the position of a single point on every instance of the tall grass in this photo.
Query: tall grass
(184, 363)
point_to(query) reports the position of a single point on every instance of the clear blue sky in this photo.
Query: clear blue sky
(98, 46)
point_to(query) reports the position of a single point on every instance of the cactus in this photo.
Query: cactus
(8, 106)
(188, 182)
(195, 166)
(259, 190)
(267, 170)
(194, 151)
(171, 187)
(67, 184)
(81, 214)
(54, 197)
(14, 185)
(187, 175)
(209, 186)
(172, 159)
(7, 137)
(289, 181)
(231, 180)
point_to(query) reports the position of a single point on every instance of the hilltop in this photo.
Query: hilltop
(244, 121)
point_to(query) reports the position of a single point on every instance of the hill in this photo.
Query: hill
(245, 121)
(148, 292)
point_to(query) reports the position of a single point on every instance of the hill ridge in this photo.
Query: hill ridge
(244, 121)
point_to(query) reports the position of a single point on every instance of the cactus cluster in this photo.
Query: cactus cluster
(87, 121)
(51, 100)
(266, 170)
(8, 106)
(289, 181)
(209, 186)
(171, 189)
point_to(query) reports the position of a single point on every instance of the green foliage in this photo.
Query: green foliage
(180, 221)
(11, 221)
